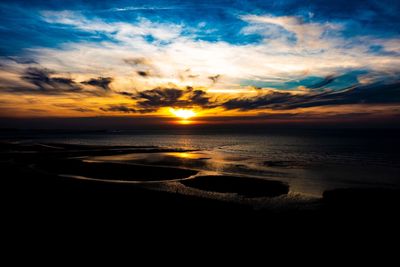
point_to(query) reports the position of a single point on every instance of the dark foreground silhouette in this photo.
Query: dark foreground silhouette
(53, 181)
(248, 187)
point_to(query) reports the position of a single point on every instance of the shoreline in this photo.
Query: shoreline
(170, 189)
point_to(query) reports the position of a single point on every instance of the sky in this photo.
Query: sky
(251, 61)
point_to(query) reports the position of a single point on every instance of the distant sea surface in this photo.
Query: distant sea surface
(311, 161)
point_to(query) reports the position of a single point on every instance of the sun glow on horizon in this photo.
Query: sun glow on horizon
(184, 114)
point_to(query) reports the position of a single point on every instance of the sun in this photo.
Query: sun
(184, 114)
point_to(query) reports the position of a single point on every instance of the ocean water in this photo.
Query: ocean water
(310, 161)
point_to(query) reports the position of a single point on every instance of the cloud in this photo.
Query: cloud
(118, 30)
(270, 100)
(119, 108)
(140, 8)
(327, 80)
(214, 78)
(23, 60)
(159, 64)
(83, 110)
(101, 82)
(73, 107)
(199, 98)
(142, 73)
(139, 61)
(45, 83)
(295, 32)
(370, 94)
(143, 66)
(126, 94)
(291, 47)
(154, 99)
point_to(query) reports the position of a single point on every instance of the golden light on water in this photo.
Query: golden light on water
(184, 114)
(184, 122)
(185, 155)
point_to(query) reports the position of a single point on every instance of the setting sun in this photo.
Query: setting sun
(183, 113)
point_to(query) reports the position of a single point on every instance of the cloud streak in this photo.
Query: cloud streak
(100, 82)
(371, 94)
(44, 83)
(119, 108)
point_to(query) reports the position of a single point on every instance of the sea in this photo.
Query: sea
(309, 160)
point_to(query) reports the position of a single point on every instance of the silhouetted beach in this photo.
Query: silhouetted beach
(71, 180)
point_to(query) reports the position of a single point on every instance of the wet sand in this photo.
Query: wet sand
(113, 171)
(44, 176)
(248, 187)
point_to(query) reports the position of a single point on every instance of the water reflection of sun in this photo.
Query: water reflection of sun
(184, 155)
